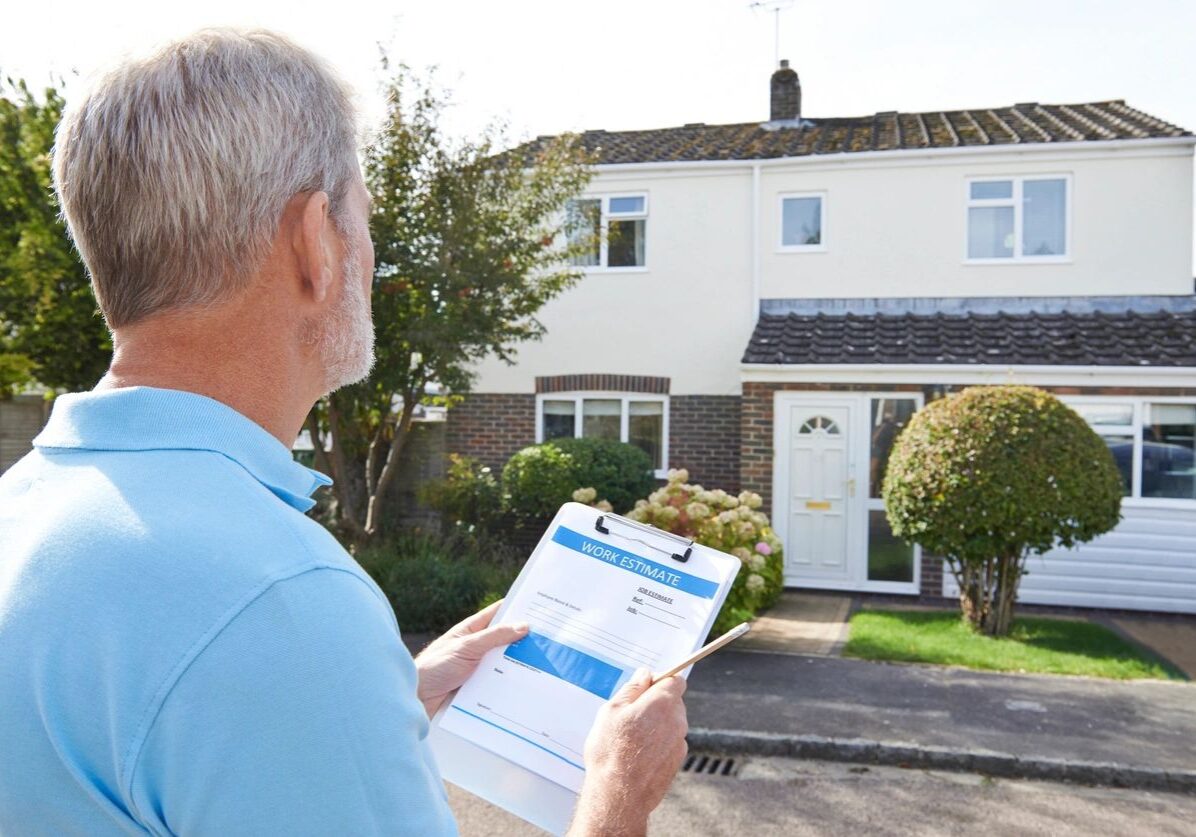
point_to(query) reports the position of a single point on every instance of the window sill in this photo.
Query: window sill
(788, 250)
(589, 270)
(1022, 261)
(1158, 503)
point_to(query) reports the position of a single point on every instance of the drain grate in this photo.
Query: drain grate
(709, 765)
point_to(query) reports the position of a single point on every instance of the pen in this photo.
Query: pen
(709, 648)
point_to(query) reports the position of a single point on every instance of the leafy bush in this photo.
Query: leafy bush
(990, 475)
(434, 582)
(619, 472)
(536, 481)
(730, 524)
(469, 495)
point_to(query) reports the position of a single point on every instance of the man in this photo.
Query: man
(182, 650)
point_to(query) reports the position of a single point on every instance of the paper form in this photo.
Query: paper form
(598, 608)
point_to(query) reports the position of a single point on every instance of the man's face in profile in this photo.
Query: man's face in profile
(344, 339)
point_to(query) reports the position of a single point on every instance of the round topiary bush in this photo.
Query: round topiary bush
(536, 481)
(620, 473)
(991, 475)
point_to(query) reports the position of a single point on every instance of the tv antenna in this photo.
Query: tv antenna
(776, 7)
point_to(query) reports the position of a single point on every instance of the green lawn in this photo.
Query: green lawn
(1050, 646)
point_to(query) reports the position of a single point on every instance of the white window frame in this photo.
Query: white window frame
(782, 247)
(578, 396)
(1016, 203)
(1141, 407)
(604, 218)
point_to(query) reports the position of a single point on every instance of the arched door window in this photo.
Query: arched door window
(816, 424)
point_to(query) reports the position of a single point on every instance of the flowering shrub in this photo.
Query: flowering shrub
(587, 496)
(728, 523)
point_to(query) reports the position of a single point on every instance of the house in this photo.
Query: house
(775, 299)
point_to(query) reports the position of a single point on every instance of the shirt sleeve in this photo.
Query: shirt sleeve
(300, 717)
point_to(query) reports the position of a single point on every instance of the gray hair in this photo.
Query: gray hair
(173, 170)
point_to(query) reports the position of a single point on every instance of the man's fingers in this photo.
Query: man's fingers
(495, 637)
(475, 623)
(673, 686)
(639, 683)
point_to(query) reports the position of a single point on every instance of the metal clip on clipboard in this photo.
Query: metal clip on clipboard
(602, 524)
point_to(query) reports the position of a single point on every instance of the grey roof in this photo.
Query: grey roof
(1012, 125)
(1162, 338)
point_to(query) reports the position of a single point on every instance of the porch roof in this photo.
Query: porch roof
(1165, 337)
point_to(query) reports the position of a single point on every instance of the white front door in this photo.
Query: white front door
(819, 491)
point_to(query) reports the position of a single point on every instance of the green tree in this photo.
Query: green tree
(991, 475)
(51, 331)
(470, 243)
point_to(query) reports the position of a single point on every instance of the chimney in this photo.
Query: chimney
(785, 94)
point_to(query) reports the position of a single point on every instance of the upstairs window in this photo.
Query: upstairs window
(613, 229)
(641, 420)
(803, 223)
(1018, 219)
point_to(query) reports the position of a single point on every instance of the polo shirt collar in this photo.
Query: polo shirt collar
(151, 418)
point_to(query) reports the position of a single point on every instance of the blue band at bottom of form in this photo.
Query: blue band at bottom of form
(573, 666)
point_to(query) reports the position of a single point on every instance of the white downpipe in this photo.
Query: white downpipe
(755, 312)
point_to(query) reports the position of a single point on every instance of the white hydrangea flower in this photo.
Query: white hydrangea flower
(658, 496)
(755, 562)
(754, 583)
(697, 510)
(726, 517)
(678, 475)
(604, 505)
(742, 553)
(585, 495)
(751, 499)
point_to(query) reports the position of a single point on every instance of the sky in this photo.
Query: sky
(542, 67)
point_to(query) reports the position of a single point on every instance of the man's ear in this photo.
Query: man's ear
(313, 254)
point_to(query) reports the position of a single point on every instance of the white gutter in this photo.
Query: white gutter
(931, 373)
(1082, 147)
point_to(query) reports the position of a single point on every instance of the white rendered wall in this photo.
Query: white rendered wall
(900, 229)
(896, 227)
(687, 316)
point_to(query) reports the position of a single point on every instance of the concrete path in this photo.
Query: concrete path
(801, 623)
(1138, 723)
(1172, 637)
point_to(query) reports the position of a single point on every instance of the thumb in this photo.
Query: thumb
(633, 688)
(494, 637)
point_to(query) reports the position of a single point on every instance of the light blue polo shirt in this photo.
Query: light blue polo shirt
(182, 650)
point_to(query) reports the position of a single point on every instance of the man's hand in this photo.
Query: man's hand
(632, 754)
(446, 663)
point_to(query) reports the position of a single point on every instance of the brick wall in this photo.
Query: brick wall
(490, 426)
(422, 460)
(21, 418)
(756, 431)
(603, 383)
(931, 583)
(704, 438)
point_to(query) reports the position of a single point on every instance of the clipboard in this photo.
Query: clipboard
(522, 791)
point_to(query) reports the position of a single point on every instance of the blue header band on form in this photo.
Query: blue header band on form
(668, 576)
